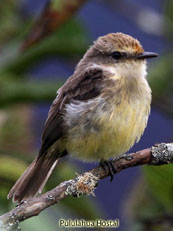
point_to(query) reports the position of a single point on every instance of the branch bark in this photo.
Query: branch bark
(85, 184)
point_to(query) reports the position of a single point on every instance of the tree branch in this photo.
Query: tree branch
(54, 15)
(85, 184)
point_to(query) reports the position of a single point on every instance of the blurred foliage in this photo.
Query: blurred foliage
(68, 41)
(10, 20)
(149, 205)
(161, 74)
(8, 174)
(168, 23)
(162, 83)
(160, 182)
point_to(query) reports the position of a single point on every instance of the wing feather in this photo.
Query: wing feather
(83, 87)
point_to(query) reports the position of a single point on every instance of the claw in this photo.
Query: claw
(108, 164)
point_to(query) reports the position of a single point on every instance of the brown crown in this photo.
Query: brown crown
(118, 42)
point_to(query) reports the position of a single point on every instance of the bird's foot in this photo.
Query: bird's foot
(108, 164)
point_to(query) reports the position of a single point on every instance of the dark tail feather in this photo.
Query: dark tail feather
(33, 179)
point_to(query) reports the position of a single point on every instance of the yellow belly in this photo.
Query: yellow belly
(118, 128)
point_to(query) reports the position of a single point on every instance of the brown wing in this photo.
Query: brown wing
(83, 87)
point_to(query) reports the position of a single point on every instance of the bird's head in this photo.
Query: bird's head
(121, 52)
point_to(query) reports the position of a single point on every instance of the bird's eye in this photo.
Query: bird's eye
(116, 55)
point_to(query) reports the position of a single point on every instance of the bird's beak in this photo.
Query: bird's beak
(146, 55)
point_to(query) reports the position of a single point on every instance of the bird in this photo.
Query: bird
(98, 114)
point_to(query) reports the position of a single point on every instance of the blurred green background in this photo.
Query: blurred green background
(57, 33)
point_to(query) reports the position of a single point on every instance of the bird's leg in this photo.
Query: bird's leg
(108, 164)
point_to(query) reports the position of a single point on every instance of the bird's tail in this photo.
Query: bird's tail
(33, 179)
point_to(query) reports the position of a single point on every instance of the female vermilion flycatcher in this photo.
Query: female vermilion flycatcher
(99, 113)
